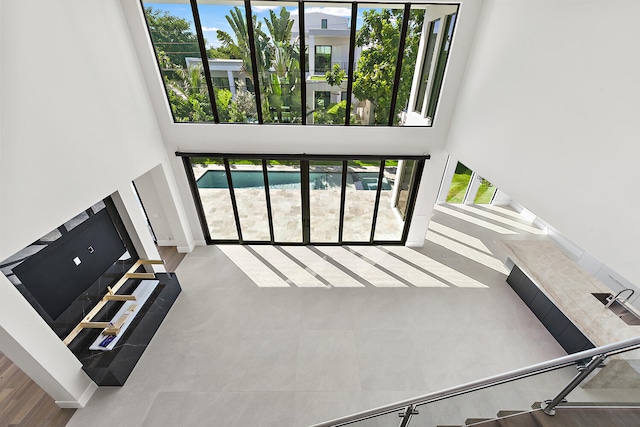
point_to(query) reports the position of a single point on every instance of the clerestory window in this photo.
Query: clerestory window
(241, 61)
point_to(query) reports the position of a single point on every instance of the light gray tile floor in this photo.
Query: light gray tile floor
(234, 353)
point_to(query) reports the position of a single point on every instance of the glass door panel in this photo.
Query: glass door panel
(325, 190)
(251, 201)
(213, 188)
(360, 199)
(286, 200)
(389, 225)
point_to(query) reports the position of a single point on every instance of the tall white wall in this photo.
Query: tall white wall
(76, 124)
(548, 112)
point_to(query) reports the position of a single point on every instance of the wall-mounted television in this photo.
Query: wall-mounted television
(58, 274)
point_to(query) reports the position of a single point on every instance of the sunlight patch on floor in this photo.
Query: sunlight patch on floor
(511, 223)
(323, 268)
(473, 220)
(402, 269)
(442, 271)
(294, 272)
(459, 236)
(362, 268)
(257, 271)
(467, 252)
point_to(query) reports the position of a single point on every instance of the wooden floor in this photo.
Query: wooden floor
(171, 257)
(23, 403)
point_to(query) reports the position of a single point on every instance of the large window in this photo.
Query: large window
(323, 59)
(441, 64)
(261, 62)
(427, 60)
(304, 200)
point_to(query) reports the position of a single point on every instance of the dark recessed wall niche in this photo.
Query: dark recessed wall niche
(47, 276)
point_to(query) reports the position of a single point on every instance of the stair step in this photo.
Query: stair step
(470, 421)
(506, 413)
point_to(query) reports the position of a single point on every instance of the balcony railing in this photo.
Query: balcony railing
(408, 408)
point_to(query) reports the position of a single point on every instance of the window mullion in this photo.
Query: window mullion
(254, 58)
(396, 80)
(352, 48)
(205, 60)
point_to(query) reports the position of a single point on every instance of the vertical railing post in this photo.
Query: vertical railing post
(595, 362)
(409, 412)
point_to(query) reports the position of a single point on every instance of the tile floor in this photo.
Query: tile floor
(287, 348)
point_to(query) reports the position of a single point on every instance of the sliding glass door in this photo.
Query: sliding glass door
(303, 200)
(325, 200)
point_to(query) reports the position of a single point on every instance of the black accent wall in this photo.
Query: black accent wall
(52, 276)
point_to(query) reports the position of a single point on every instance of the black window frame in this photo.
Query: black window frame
(304, 190)
(431, 105)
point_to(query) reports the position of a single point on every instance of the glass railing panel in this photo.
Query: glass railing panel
(521, 395)
(485, 404)
(392, 419)
(619, 381)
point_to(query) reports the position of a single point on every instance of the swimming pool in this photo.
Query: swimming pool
(287, 180)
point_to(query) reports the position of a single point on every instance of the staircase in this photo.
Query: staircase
(567, 415)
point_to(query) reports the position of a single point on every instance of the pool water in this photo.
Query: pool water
(287, 180)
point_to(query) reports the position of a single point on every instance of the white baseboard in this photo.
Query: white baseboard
(166, 242)
(82, 402)
(189, 248)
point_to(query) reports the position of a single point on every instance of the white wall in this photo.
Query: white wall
(548, 112)
(76, 124)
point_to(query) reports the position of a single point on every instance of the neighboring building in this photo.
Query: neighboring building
(225, 73)
(327, 38)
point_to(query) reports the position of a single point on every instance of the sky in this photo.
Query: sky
(212, 17)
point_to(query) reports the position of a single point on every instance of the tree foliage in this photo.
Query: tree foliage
(172, 35)
(336, 76)
(278, 66)
(380, 39)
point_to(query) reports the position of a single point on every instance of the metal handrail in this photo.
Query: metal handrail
(539, 368)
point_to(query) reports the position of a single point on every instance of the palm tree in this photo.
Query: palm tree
(284, 62)
(238, 24)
